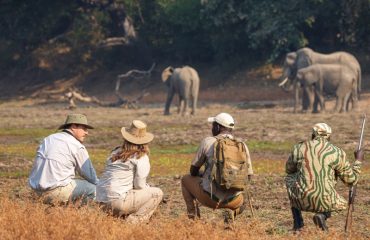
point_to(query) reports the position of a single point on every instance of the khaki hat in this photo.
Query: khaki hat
(137, 133)
(76, 118)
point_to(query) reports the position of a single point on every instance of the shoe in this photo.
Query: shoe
(241, 209)
(229, 217)
(297, 219)
(320, 221)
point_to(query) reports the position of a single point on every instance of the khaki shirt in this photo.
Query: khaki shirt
(204, 156)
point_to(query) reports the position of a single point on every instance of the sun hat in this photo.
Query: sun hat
(223, 119)
(137, 133)
(76, 118)
(321, 129)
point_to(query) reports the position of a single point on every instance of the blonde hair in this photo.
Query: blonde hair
(129, 149)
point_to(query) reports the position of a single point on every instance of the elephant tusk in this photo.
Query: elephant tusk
(283, 82)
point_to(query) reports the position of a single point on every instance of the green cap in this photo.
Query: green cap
(76, 118)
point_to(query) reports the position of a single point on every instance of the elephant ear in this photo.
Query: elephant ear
(291, 58)
(167, 73)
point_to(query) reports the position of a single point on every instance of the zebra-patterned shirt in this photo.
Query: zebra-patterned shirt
(312, 171)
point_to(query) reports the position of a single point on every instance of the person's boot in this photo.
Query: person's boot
(297, 219)
(229, 217)
(320, 220)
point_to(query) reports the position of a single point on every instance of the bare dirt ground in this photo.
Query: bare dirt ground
(264, 119)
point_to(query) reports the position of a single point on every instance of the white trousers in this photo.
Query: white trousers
(138, 205)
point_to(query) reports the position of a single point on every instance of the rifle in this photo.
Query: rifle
(353, 188)
(250, 203)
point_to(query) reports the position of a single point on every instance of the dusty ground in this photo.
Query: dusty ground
(268, 126)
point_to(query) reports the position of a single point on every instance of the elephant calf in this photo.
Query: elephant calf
(184, 82)
(339, 78)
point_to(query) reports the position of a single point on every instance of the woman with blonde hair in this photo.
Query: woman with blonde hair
(122, 188)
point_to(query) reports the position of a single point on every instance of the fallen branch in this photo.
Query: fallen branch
(113, 41)
(137, 74)
(75, 94)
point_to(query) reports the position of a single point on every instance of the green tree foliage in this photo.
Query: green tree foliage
(183, 30)
(25, 25)
(257, 29)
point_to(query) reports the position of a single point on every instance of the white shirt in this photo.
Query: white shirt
(58, 157)
(119, 177)
(204, 156)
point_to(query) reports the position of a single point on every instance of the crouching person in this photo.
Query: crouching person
(58, 157)
(123, 189)
(312, 171)
(223, 181)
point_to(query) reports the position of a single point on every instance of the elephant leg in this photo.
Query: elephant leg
(180, 105)
(354, 97)
(316, 104)
(305, 101)
(345, 102)
(170, 95)
(319, 99)
(343, 93)
(311, 98)
(339, 104)
(194, 103)
(185, 106)
(296, 97)
(193, 106)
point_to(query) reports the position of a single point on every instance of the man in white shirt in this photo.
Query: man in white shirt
(58, 157)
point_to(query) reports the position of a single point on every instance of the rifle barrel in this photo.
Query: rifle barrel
(352, 189)
(362, 132)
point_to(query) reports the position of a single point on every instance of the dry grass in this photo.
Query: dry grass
(32, 220)
(269, 134)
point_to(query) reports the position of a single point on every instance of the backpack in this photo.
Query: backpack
(230, 168)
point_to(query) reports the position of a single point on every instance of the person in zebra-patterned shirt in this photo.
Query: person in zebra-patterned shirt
(313, 168)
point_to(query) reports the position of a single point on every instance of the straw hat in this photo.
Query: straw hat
(137, 133)
(76, 118)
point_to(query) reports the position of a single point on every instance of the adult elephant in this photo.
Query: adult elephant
(304, 57)
(319, 78)
(184, 82)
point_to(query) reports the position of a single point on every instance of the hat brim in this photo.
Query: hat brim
(211, 119)
(147, 138)
(64, 125)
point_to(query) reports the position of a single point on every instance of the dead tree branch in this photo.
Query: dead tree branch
(113, 41)
(136, 74)
(75, 94)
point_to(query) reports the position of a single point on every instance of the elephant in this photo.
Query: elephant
(184, 82)
(319, 78)
(304, 57)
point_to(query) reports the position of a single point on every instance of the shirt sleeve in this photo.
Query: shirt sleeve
(201, 155)
(291, 164)
(141, 172)
(343, 169)
(85, 167)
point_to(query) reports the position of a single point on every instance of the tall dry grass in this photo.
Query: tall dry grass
(26, 219)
